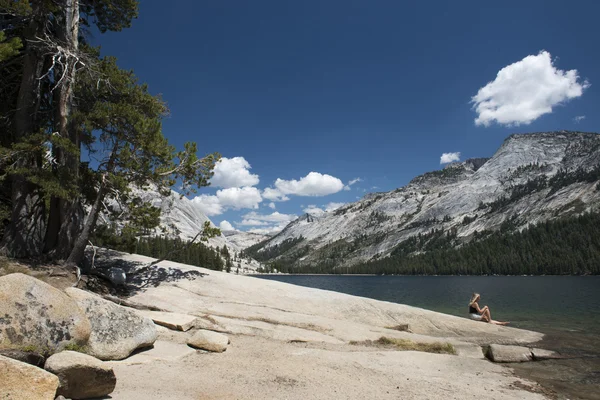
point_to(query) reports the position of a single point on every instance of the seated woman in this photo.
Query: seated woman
(481, 314)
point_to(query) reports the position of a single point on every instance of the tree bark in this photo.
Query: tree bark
(66, 216)
(24, 236)
(78, 251)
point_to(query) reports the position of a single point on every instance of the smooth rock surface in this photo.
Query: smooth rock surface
(175, 321)
(508, 354)
(541, 354)
(81, 376)
(116, 331)
(209, 341)
(161, 351)
(38, 316)
(20, 381)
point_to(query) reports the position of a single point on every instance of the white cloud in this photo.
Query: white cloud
(526, 90)
(352, 182)
(578, 118)
(274, 195)
(313, 184)
(246, 197)
(236, 198)
(226, 226)
(273, 217)
(449, 157)
(313, 209)
(272, 205)
(271, 230)
(209, 205)
(233, 172)
(269, 223)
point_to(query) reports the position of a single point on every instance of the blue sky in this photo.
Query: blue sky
(376, 90)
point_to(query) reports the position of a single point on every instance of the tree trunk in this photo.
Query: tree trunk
(24, 236)
(81, 242)
(66, 217)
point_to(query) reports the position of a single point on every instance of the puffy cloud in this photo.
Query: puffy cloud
(352, 182)
(332, 206)
(449, 157)
(313, 184)
(313, 209)
(209, 205)
(236, 198)
(578, 118)
(272, 205)
(271, 230)
(268, 223)
(233, 172)
(252, 222)
(274, 195)
(226, 226)
(526, 90)
(273, 217)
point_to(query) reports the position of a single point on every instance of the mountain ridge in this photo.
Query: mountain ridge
(531, 178)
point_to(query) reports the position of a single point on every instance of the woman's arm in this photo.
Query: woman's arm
(479, 310)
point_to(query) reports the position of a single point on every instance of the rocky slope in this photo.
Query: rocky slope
(181, 217)
(531, 178)
(242, 240)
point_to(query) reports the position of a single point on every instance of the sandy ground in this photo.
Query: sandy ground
(291, 342)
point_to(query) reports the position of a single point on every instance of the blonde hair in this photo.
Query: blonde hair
(474, 298)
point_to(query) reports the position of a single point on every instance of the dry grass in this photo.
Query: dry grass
(409, 345)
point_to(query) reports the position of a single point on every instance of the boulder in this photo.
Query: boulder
(209, 341)
(23, 381)
(116, 331)
(38, 317)
(541, 354)
(174, 321)
(508, 354)
(81, 376)
(28, 357)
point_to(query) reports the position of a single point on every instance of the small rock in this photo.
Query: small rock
(24, 381)
(81, 376)
(209, 341)
(116, 331)
(508, 354)
(174, 321)
(117, 276)
(27, 357)
(38, 316)
(541, 354)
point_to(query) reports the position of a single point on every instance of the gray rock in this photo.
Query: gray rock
(27, 357)
(81, 376)
(508, 354)
(541, 354)
(117, 276)
(116, 331)
(209, 341)
(23, 381)
(38, 317)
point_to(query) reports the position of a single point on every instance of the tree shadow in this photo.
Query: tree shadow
(139, 275)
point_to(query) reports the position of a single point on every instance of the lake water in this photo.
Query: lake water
(565, 308)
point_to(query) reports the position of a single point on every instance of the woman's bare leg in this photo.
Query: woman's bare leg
(491, 321)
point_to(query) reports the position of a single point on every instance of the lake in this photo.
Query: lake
(565, 308)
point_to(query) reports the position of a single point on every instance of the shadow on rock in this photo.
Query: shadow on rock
(112, 274)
